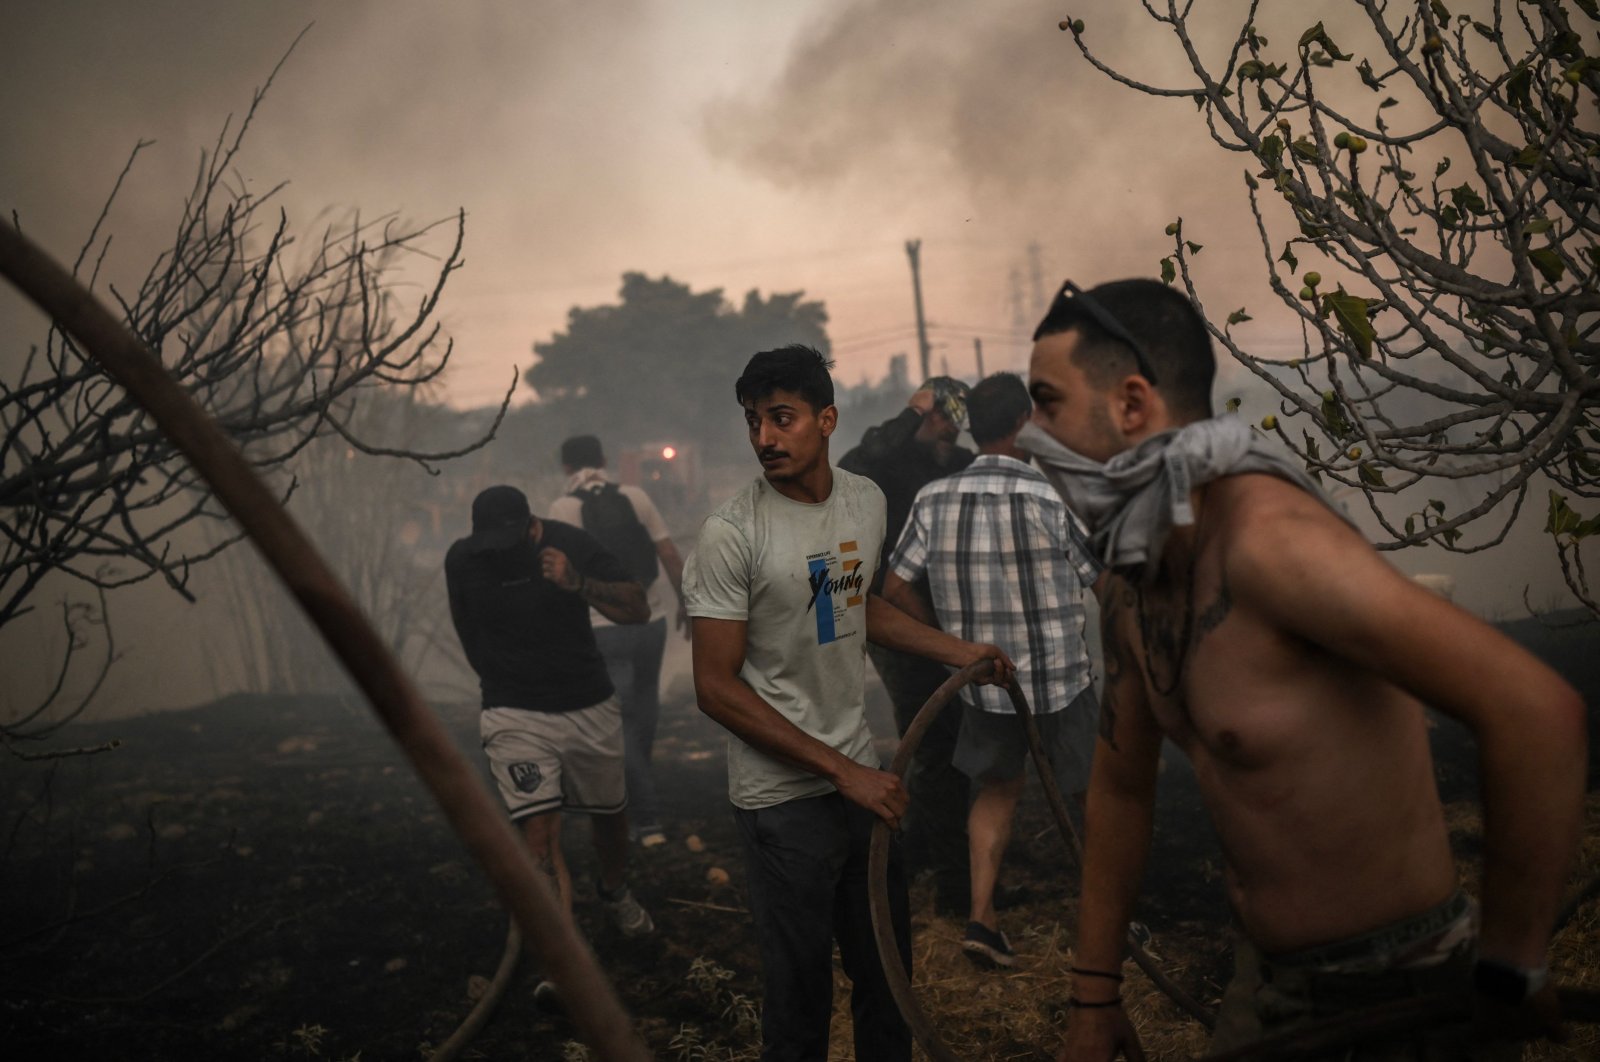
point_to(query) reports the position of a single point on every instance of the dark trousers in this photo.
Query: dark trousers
(935, 827)
(633, 659)
(807, 865)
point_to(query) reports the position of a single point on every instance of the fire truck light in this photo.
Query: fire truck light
(669, 452)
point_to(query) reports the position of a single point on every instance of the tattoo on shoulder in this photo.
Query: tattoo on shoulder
(1212, 615)
(1115, 651)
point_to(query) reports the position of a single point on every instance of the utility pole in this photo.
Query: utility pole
(977, 352)
(913, 252)
(1019, 313)
(1036, 278)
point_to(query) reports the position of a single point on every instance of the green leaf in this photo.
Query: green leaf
(1440, 12)
(1306, 150)
(1350, 312)
(1169, 272)
(1333, 415)
(1485, 31)
(1449, 217)
(1317, 35)
(1519, 87)
(1536, 226)
(1239, 316)
(1271, 149)
(1528, 157)
(1444, 164)
(1370, 474)
(1368, 78)
(1561, 519)
(1250, 70)
(1388, 101)
(1411, 525)
(1194, 248)
(1467, 200)
(1288, 258)
(1548, 263)
(1436, 505)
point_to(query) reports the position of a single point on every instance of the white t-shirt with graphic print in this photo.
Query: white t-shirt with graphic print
(797, 575)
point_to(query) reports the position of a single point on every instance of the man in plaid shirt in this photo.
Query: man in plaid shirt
(1006, 563)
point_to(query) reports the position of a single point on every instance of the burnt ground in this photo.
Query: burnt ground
(263, 878)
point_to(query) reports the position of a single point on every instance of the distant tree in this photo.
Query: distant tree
(281, 345)
(647, 367)
(1448, 319)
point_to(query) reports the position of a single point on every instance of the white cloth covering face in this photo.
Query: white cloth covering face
(1132, 502)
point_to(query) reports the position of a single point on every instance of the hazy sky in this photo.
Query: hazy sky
(731, 144)
(780, 146)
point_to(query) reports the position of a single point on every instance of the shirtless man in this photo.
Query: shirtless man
(1270, 642)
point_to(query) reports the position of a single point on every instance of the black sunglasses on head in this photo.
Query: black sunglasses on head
(1110, 324)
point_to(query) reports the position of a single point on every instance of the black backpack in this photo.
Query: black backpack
(608, 515)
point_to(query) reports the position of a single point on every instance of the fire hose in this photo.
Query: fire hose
(1375, 1023)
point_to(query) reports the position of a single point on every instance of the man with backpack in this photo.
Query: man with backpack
(627, 523)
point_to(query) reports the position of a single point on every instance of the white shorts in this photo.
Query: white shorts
(550, 761)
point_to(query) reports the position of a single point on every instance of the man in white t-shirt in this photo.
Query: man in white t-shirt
(778, 588)
(628, 524)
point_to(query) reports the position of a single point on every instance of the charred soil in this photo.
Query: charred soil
(262, 878)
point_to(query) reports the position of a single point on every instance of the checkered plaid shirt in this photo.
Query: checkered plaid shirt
(1007, 563)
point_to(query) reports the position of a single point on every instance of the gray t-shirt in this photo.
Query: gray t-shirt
(797, 575)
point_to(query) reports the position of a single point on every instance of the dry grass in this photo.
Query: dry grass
(1017, 1015)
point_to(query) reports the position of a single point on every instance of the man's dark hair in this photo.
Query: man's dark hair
(796, 368)
(582, 451)
(1164, 322)
(995, 406)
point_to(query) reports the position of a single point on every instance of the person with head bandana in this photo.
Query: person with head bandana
(1249, 622)
(902, 455)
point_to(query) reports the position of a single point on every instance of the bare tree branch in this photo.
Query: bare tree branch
(1454, 338)
(282, 342)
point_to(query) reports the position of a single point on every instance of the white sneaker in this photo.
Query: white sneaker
(630, 919)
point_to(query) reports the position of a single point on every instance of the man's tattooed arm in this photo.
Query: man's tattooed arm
(622, 602)
(1114, 605)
